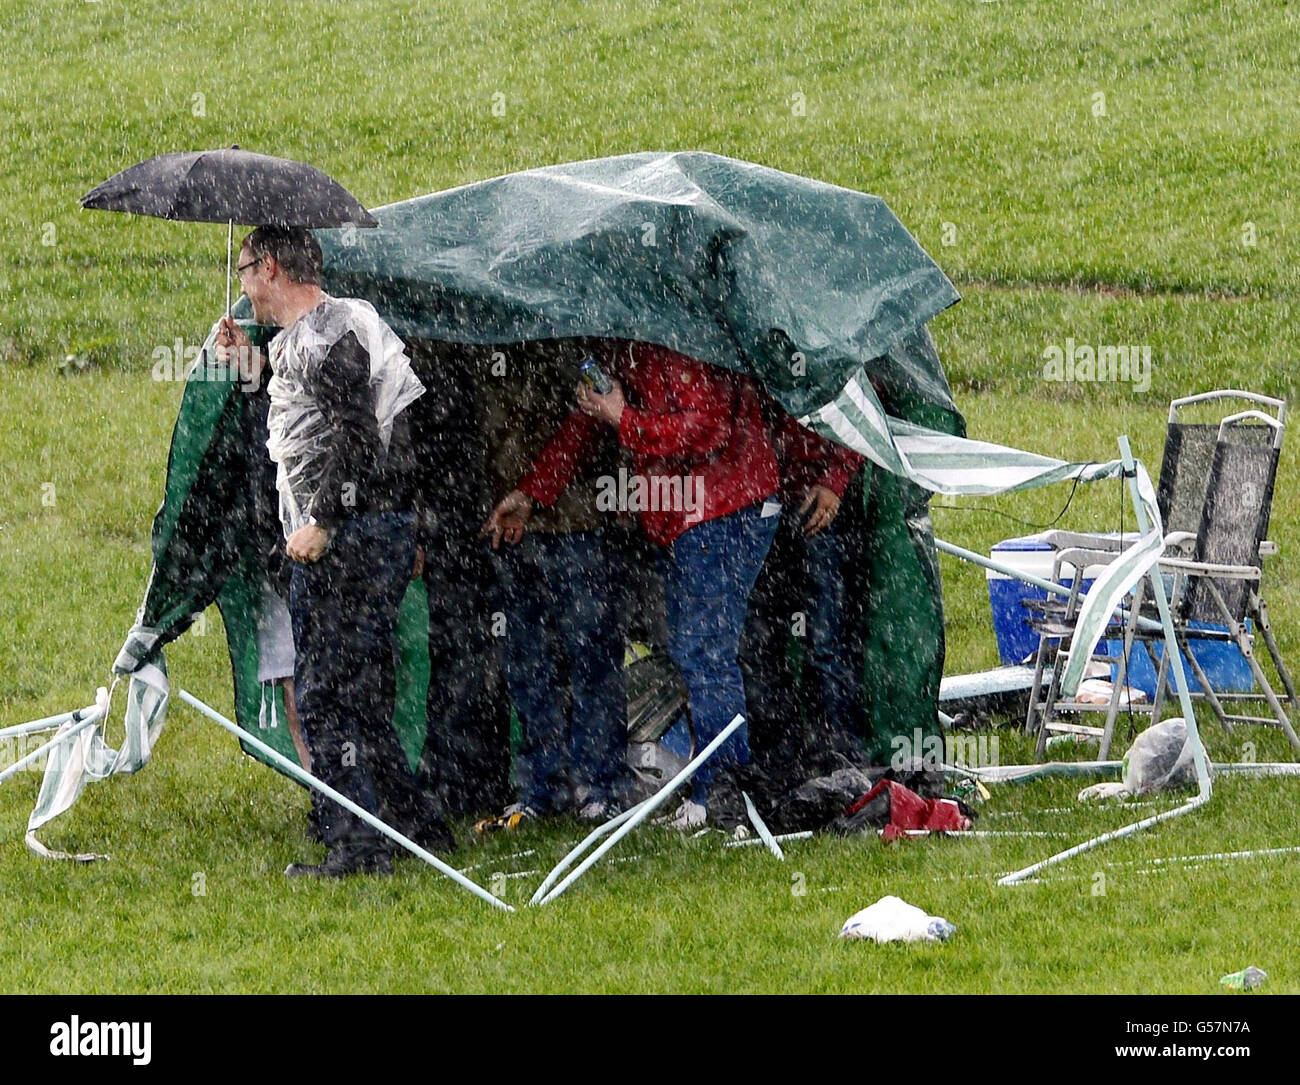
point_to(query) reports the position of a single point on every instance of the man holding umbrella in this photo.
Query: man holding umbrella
(340, 440)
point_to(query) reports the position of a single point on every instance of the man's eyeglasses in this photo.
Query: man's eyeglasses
(239, 271)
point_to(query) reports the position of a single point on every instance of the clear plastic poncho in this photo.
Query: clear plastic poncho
(299, 429)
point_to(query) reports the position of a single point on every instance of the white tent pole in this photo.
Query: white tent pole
(595, 834)
(96, 714)
(49, 723)
(648, 807)
(961, 552)
(1205, 789)
(780, 838)
(763, 833)
(999, 567)
(306, 778)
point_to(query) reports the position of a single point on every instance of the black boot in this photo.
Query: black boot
(316, 820)
(345, 859)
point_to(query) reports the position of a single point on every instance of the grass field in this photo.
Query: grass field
(1161, 214)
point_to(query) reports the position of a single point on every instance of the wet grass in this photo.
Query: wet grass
(1126, 228)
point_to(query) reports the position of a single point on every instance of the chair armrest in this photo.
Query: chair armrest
(1206, 568)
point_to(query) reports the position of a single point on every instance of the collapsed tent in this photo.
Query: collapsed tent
(816, 292)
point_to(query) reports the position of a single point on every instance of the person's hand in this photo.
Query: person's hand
(822, 506)
(418, 570)
(307, 544)
(509, 520)
(232, 340)
(608, 408)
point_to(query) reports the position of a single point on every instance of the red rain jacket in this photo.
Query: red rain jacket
(684, 420)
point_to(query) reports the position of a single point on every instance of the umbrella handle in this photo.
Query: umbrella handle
(230, 241)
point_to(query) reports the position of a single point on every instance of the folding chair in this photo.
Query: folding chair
(1055, 627)
(1221, 583)
(1226, 473)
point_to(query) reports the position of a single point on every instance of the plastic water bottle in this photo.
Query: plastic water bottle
(595, 377)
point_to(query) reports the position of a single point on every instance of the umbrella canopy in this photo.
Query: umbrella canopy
(230, 185)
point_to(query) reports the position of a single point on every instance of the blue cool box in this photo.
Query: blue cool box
(1224, 666)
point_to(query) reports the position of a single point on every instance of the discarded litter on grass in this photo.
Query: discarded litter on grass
(891, 919)
(1245, 980)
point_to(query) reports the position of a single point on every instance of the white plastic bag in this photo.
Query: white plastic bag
(1160, 757)
(891, 919)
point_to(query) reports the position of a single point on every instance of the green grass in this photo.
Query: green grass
(1125, 228)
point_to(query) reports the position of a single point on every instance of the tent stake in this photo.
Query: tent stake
(296, 772)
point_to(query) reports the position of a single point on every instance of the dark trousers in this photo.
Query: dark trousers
(562, 653)
(344, 611)
(466, 758)
(805, 591)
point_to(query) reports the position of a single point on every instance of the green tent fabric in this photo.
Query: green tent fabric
(804, 286)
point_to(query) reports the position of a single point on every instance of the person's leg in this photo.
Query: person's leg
(529, 662)
(586, 623)
(709, 576)
(389, 540)
(775, 611)
(833, 669)
(466, 758)
(320, 602)
(295, 724)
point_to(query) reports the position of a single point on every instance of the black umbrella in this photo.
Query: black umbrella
(230, 186)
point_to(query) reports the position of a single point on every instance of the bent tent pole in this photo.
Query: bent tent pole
(1205, 789)
(307, 779)
(595, 834)
(82, 722)
(648, 807)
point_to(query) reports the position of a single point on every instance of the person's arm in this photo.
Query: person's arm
(840, 464)
(559, 461)
(354, 450)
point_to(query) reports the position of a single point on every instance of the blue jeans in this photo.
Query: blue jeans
(708, 573)
(562, 655)
(344, 611)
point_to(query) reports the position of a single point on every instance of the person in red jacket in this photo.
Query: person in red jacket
(704, 483)
(804, 591)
